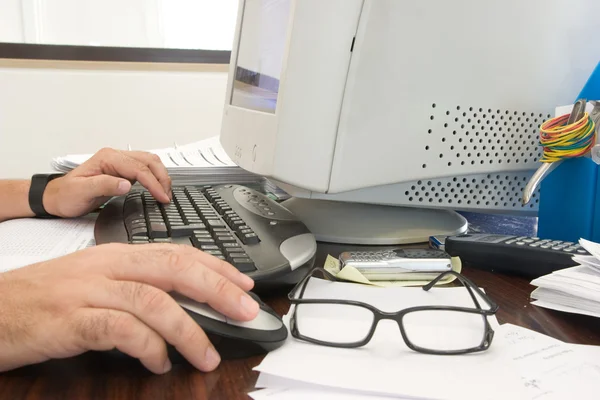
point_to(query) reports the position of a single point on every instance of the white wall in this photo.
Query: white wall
(189, 24)
(11, 27)
(47, 112)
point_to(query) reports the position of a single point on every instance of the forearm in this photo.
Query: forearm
(14, 199)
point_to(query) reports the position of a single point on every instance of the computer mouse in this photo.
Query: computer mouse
(235, 339)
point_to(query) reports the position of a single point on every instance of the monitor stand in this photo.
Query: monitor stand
(371, 224)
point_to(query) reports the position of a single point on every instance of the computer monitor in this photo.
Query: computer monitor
(382, 118)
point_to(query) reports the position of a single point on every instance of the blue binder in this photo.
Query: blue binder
(569, 206)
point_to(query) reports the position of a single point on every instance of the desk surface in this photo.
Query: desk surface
(97, 376)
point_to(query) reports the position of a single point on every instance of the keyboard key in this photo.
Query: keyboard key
(224, 209)
(209, 247)
(248, 238)
(221, 231)
(139, 232)
(198, 242)
(230, 245)
(225, 239)
(216, 253)
(215, 223)
(162, 240)
(243, 264)
(185, 230)
(229, 251)
(231, 256)
(158, 230)
(209, 215)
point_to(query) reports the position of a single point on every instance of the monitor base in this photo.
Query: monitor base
(371, 224)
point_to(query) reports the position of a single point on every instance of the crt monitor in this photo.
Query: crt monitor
(382, 118)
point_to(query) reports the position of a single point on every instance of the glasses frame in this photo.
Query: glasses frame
(397, 316)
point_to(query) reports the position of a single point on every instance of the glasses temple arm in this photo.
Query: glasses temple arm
(302, 284)
(470, 286)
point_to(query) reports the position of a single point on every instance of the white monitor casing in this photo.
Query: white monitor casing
(429, 104)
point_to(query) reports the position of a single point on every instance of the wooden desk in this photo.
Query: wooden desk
(97, 376)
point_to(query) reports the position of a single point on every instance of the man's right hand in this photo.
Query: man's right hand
(115, 296)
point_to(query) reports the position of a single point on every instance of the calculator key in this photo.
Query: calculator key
(511, 241)
(528, 240)
(520, 243)
(582, 251)
(545, 246)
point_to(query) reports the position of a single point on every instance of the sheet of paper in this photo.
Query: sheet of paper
(308, 392)
(277, 383)
(561, 307)
(386, 366)
(351, 274)
(589, 261)
(29, 240)
(591, 247)
(551, 369)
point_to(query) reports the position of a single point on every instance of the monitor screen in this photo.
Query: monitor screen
(260, 54)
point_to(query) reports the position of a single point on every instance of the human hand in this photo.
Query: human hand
(114, 296)
(107, 173)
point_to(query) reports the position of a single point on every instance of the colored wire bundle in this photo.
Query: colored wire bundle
(566, 141)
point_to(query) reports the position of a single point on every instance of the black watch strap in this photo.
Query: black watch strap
(36, 193)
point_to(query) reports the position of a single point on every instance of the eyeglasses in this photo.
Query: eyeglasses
(443, 330)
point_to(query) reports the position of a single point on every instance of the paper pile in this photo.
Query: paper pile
(386, 366)
(576, 289)
(203, 162)
(520, 364)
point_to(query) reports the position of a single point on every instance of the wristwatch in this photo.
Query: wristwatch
(36, 194)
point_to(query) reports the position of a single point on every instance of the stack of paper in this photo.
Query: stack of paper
(575, 289)
(203, 162)
(520, 364)
(386, 366)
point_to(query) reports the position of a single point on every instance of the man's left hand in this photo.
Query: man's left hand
(107, 173)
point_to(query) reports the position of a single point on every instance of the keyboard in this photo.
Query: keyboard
(235, 223)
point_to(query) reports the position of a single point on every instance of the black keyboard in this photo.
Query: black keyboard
(254, 233)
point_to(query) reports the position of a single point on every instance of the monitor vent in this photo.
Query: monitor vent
(464, 137)
(484, 192)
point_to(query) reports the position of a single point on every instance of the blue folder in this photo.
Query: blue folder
(569, 206)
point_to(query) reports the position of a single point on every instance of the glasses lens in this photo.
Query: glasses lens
(333, 323)
(443, 330)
